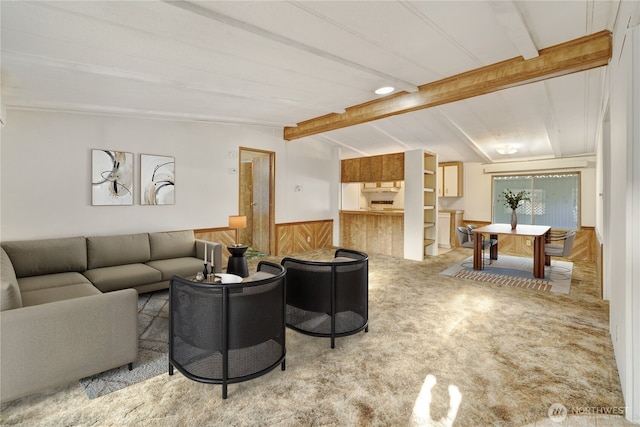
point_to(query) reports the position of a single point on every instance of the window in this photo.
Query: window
(555, 199)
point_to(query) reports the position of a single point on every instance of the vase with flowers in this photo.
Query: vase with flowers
(513, 200)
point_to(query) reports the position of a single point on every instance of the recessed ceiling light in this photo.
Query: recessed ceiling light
(507, 149)
(384, 90)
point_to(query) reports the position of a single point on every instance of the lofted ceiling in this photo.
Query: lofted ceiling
(279, 63)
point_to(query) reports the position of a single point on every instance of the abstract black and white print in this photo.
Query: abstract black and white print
(111, 178)
(157, 180)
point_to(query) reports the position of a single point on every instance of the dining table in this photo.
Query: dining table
(540, 234)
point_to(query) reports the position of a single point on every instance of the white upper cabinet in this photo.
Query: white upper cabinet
(450, 183)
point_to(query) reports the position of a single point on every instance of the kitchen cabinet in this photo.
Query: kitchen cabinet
(393, 167)
(350, 170)
(444, 227)
(448, 222)
(451, 179)
(386, 167)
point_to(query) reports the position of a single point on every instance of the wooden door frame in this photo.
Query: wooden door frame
(272, 186)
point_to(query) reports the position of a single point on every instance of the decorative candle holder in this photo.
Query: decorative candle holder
(205, 272)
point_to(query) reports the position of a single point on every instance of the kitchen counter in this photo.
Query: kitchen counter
(385, 212)
(380, 231)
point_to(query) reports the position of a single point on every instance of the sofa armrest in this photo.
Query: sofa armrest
(52, 344)
(217, 253)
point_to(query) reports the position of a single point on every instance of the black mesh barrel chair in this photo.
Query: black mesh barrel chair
(328, 299)
(228, 333)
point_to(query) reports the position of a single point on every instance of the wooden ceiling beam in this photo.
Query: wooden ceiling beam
(573, 56)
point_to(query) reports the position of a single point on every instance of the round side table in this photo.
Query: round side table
(237, 262)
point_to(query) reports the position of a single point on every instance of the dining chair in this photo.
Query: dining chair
(562, 249)
(465, 238)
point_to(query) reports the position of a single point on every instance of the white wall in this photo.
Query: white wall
(46, 164)
(477, 193)
(620, 213)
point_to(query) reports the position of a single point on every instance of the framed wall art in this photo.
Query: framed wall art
(157, 180)
(111, 178)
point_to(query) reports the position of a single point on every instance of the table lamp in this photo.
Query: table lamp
(237, 222)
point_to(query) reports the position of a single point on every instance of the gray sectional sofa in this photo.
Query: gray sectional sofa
(68, 306)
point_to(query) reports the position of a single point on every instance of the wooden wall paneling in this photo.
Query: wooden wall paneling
(378, 233)
(600, 264)
(323, 234)
(456, 221)
(292, 237)
(583, 245)
(303, 236)
(284, 239)
(397, 238)
(224, 236)
(352, 232)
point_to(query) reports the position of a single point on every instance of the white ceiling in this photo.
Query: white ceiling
(276, 63)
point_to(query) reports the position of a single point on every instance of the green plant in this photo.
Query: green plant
(512, 199)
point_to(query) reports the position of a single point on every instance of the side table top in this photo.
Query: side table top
(224, 278)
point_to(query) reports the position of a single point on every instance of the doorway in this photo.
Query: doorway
(257, 181)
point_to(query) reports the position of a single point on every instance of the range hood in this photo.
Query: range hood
(381, 187)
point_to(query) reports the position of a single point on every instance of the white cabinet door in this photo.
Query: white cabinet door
(451, 181)
(440, 181)
(444, 230)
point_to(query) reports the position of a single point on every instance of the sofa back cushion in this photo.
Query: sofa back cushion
(173, 244)
(10, 296)
(48, 256)
(107, 251)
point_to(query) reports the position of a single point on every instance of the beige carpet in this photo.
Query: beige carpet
(503, 354)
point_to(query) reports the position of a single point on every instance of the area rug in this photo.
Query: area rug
(252, 253)
(153, 348)
(537, 284)
(516, 271)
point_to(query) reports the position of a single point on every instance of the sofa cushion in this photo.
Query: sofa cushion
(10, 297)
(185, 267)
(107, 251)
(122, 276)
(60, 293)
(174, 244)
(38, 257)
(35, 283)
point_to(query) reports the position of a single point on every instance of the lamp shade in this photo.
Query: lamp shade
(237, 221)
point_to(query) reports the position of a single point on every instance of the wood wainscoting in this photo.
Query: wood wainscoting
(290, 237)
(225, 236)
(295, 237)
